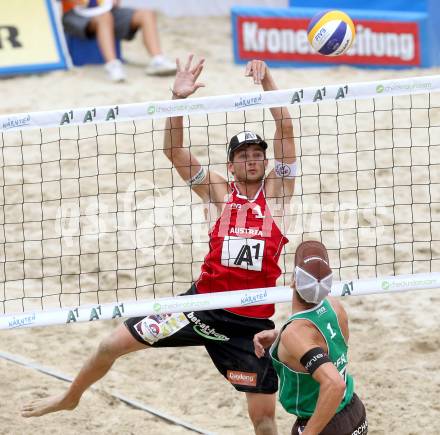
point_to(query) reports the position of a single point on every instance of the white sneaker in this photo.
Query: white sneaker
(160, 66)
(115, 70)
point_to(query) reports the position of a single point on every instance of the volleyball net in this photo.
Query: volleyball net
(96, 224)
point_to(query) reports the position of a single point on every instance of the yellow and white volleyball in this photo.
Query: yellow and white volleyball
(331, 33)
(92, 8)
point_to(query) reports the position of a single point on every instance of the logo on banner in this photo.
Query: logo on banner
(249, 101)
(16, 122)
(378, 42)
(407, 284)
(21, 321)
(242, 378)
(9, 36)
(396, 87)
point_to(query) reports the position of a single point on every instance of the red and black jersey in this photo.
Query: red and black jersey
(244, 247)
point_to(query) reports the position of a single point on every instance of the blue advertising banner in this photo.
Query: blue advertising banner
(384, 38)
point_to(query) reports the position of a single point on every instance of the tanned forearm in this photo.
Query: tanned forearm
(173, 136)
(283, 123)
(280, 114)
(330, 396)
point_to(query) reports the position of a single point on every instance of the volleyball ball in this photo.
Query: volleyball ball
(331, 33)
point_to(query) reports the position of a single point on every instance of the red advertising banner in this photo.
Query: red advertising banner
(377, 42)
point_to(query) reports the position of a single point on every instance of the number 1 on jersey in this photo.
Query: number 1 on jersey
(330, 329)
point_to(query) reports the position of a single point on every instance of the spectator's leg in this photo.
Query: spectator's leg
(146, 21)
(103, 27)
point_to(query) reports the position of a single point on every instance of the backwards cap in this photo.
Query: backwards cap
(313, 276)
(244, 138)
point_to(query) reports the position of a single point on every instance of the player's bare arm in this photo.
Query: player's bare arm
(279, 183)
(296, 341)
(263, 340)
(210, 186)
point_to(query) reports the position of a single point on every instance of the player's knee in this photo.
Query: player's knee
(264, 425)
(261, 416)
(261, 409)
(119, 343)
(110, 349)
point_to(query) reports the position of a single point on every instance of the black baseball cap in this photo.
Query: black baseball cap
(244, 138)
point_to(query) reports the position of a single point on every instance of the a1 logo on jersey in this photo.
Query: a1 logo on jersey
(256, 209)
(245, 253)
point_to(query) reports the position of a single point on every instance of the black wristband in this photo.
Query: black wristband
(314, 358)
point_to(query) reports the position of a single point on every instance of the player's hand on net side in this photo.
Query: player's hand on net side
(185, 83)
(258, 70)
(263, 340)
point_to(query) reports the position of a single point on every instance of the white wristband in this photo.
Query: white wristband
(198, 178)
(285, 170)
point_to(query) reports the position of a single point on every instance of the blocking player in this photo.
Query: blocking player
(245, 244)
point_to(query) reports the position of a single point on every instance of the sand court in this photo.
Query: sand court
(120, 186)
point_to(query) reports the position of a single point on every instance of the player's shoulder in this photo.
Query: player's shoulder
(339, 309)
(335, 303)
(299, 327)
(300, 334)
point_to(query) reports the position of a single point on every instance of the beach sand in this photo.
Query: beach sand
(394, 338)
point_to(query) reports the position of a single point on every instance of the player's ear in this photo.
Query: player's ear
(231, 167)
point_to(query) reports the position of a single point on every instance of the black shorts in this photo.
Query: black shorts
(352, 420)
(77, 25)
(227, 337)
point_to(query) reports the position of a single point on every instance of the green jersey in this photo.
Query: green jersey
(299, 391)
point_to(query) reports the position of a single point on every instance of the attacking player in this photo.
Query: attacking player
(245, 244)
(310, 353)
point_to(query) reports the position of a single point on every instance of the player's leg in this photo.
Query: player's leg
(261, 409)
(118, 343)
(233, 354)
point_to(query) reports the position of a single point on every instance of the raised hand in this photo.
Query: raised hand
(258, 70)
(185, 83)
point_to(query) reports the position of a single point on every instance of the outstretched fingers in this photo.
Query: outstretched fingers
(178, 65)
(257, 70)
(199, 85)
(248, 70)
(188, 62)
(196, 71)
(261, 71)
